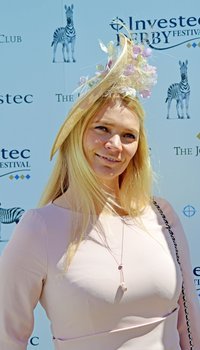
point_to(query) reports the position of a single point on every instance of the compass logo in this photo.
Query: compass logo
(189, 211)
(117, 24)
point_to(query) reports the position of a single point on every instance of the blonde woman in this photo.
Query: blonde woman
(109, 263)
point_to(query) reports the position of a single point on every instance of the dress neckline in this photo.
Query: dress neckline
(119, 217)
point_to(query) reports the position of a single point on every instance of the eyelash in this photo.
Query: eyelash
(104, 128)
(132, 136)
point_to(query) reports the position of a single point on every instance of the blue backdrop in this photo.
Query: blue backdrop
(36, 93)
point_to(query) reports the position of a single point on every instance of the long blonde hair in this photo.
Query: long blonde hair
(72, 169)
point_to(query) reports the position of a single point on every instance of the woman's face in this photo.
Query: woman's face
(110, 142)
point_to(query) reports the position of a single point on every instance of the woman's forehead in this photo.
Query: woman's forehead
(116, 114)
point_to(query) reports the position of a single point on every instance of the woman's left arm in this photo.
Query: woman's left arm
(188, 300)
(191, 303)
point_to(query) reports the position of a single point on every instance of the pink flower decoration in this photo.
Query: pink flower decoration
(147, 52)
(145, 93)
(83, 80)
(137, 76)
(109, 64)
(136, 51)
(129, 69)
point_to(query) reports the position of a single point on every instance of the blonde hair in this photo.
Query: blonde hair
(72, 169)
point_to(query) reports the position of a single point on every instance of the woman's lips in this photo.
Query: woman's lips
(110, 159)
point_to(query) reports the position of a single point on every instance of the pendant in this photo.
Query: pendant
(123, 287)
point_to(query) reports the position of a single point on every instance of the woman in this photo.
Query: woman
(101, 256)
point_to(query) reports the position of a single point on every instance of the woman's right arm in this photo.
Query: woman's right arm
(23, 267)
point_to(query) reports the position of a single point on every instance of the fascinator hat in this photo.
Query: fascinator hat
(127, 72)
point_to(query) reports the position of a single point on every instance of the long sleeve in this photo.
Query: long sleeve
(190, 292)
(23, 267)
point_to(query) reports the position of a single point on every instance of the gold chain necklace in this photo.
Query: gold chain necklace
(122, 284)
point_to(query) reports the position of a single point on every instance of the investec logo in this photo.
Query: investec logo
(161, 33)
(34, 341)
(196, 272)
(17, 99)
(15, 163)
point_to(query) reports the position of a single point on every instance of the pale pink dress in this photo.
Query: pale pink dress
(86, 309)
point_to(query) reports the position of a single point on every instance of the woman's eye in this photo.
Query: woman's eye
(130, 136)
(101, 127)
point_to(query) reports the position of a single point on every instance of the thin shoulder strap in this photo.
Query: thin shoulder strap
(168, 227)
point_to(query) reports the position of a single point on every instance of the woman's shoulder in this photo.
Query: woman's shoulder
(41, 220)
(168, 216)
(162, 202)
(164, 207)
(161, 211)
(35, 217)
(158, 204)
(39, 226)
(38, 216)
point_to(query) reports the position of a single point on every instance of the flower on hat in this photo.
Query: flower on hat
(147, 52)
(82, 80)
(129, 69)
(110, 49)
(137, 78)
(128, 91)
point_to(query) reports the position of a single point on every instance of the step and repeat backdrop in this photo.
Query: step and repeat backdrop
(45, 46)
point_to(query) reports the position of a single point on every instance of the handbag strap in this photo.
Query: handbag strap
(168, 227)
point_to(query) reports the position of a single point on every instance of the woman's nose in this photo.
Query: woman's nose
(114, 143)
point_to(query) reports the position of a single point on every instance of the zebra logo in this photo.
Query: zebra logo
(9, 216)
(65, 36)
(179, 92)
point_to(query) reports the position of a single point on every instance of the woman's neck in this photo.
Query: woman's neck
(66, 199)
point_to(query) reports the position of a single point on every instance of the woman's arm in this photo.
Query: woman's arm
(23, 266)
(193, 305)
(191, 300)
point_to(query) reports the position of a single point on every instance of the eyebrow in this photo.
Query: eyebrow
(131, 130)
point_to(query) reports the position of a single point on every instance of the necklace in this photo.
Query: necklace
(122, 284)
